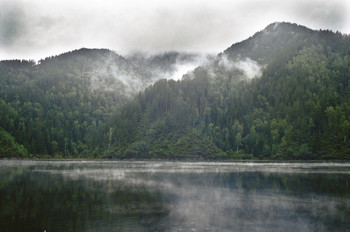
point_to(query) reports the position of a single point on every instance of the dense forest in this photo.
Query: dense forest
(281, 94)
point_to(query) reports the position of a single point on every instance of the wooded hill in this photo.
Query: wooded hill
(281, 94)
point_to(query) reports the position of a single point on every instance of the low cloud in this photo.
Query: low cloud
(36, 28)
(249, 67)
(12, 24)
(134, 73)
(182, 67)
(115, 73)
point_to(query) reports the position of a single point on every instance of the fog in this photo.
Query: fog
(183, 67)
(188, 196)
(187, 167)
(35, 29)
(135, 72)
(249, 67)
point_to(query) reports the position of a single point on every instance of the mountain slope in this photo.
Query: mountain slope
(295, 106)
(264, 44)
(61, 105)
(281, 94)
(127, 75)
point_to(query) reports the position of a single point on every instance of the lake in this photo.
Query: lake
(52, 195)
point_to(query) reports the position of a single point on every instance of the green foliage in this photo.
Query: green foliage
(52, 109)
(298, 109)
(9, 148)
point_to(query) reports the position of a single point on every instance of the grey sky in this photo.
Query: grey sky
(34, 29)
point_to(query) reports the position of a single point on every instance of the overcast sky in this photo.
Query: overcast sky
(34, 29)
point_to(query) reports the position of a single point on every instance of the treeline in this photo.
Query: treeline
(298, 107)
(51, 108)
(61, 105)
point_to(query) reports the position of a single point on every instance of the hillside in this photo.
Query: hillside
(281, 94)
(60, 105)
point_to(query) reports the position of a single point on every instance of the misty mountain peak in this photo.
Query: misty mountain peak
(280, 28)
(264, 43)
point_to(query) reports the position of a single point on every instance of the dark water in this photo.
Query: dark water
(173, 196)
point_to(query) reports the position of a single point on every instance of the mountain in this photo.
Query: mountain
(281, 94)
(127, 75)
(263, 45)
(60, 105)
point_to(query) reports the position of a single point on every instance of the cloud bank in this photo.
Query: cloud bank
(39, 28)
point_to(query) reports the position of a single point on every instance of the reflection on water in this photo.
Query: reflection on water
(173, 196)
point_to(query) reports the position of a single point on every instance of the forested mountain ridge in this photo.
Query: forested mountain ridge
(263, 45)
(50, 107)
(281, 94)
(60, 105)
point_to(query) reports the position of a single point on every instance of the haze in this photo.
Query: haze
(35, 29)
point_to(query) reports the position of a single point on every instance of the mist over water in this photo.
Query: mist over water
(174, 196)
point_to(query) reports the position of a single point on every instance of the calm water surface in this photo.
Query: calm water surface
(173, 196)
